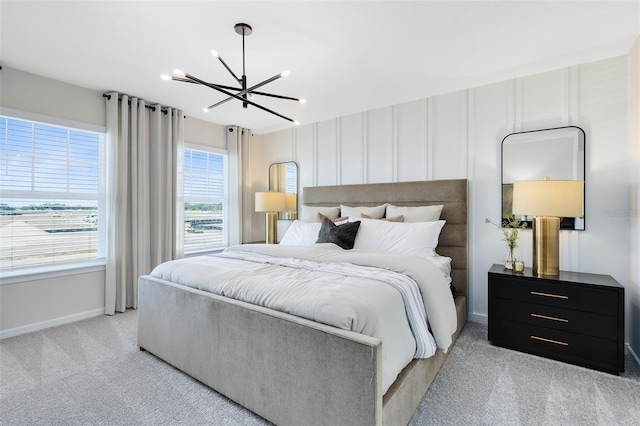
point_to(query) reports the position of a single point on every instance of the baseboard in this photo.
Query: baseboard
(634, 355)
(482, 319)
(17, 331)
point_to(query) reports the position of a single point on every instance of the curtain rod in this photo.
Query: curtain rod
(164, 110)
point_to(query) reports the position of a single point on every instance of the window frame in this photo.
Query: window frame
(225, 199)
(32, 272)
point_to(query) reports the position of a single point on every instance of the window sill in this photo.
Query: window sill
(50, 271)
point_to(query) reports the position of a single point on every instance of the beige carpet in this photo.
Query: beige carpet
(92, 373)
(480, 384)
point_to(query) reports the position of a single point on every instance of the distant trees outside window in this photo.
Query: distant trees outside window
(205, 201)
(51, 194)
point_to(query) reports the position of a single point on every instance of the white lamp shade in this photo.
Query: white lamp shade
(291, 202)
(558, 198)
(270, 202)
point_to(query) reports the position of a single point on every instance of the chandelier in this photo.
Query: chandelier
(243, 93)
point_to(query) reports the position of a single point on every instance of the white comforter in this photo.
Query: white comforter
(317, 283)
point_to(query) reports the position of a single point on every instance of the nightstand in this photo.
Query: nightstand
(574, 317)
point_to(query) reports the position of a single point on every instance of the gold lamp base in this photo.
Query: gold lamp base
(271, 228)
(546, 245)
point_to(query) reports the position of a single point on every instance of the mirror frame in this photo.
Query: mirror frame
(276, 186)
(542, 136)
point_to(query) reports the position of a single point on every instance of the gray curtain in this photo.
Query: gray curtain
(144, 200)
(240, 203)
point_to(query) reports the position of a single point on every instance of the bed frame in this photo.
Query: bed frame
(294, 371)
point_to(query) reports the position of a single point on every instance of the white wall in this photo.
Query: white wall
(204, 133)
(42, 97)
(459, 135)
(41, 303)
(633, 289)
(31, 303)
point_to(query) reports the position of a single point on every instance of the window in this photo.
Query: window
(205, 201)
(51, 194)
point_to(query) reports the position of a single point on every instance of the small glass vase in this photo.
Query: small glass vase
(513, 262)
(510, 259)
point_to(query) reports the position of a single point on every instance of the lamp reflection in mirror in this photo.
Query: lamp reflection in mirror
(270, 203)
(291, 206)
(547, 201)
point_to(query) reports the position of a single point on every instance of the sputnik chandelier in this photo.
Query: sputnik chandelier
(243, 93)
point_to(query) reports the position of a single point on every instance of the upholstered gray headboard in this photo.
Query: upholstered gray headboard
(451, 193)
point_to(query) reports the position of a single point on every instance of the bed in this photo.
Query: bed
(292, 370)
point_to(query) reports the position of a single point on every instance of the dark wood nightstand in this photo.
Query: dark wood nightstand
(575, 317)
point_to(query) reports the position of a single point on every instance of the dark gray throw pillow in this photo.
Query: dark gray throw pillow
(341, 235)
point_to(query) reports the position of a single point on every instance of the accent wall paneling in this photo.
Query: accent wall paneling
(380, 145)
(449, 127)
(412, 156)
(458, 135)
(633, 289)
(304, 155)
(542, 101)
(327, 152)
(489, 109)
(603, 95)
(351, 149)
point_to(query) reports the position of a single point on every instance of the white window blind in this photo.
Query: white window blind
(205, 200)
(291, 179)
(51, 194)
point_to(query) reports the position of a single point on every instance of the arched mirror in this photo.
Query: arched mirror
(558, 153)
(283, 177)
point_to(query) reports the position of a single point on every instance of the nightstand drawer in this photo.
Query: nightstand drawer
(564, 296)
(576, 348)
(586, 323)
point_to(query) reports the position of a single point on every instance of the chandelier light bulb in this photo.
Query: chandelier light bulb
(165, 77)
(179, 73)
(215, 53)
(296, 122)
(284, 73)
(303, 101)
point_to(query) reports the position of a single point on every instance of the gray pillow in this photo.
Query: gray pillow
(335, 220)
(387, 219)
(340, 235)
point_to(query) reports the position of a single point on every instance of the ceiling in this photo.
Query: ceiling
(344, 56)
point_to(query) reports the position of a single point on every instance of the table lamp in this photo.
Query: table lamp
(547, 201)
(271, 203)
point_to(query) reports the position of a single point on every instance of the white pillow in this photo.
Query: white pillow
(415, 214)
(310, 213)
(414, 239)
(375, 212)
(301, 234)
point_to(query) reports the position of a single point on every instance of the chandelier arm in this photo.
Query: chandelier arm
(239, 80)
(262, 83)
(241, 99)
(276, 96)
(224, 101)
(186, 80)
(271, 111)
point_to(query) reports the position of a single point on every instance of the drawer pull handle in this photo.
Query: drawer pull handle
(557, 296)
(549, 318)
(549, 340)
